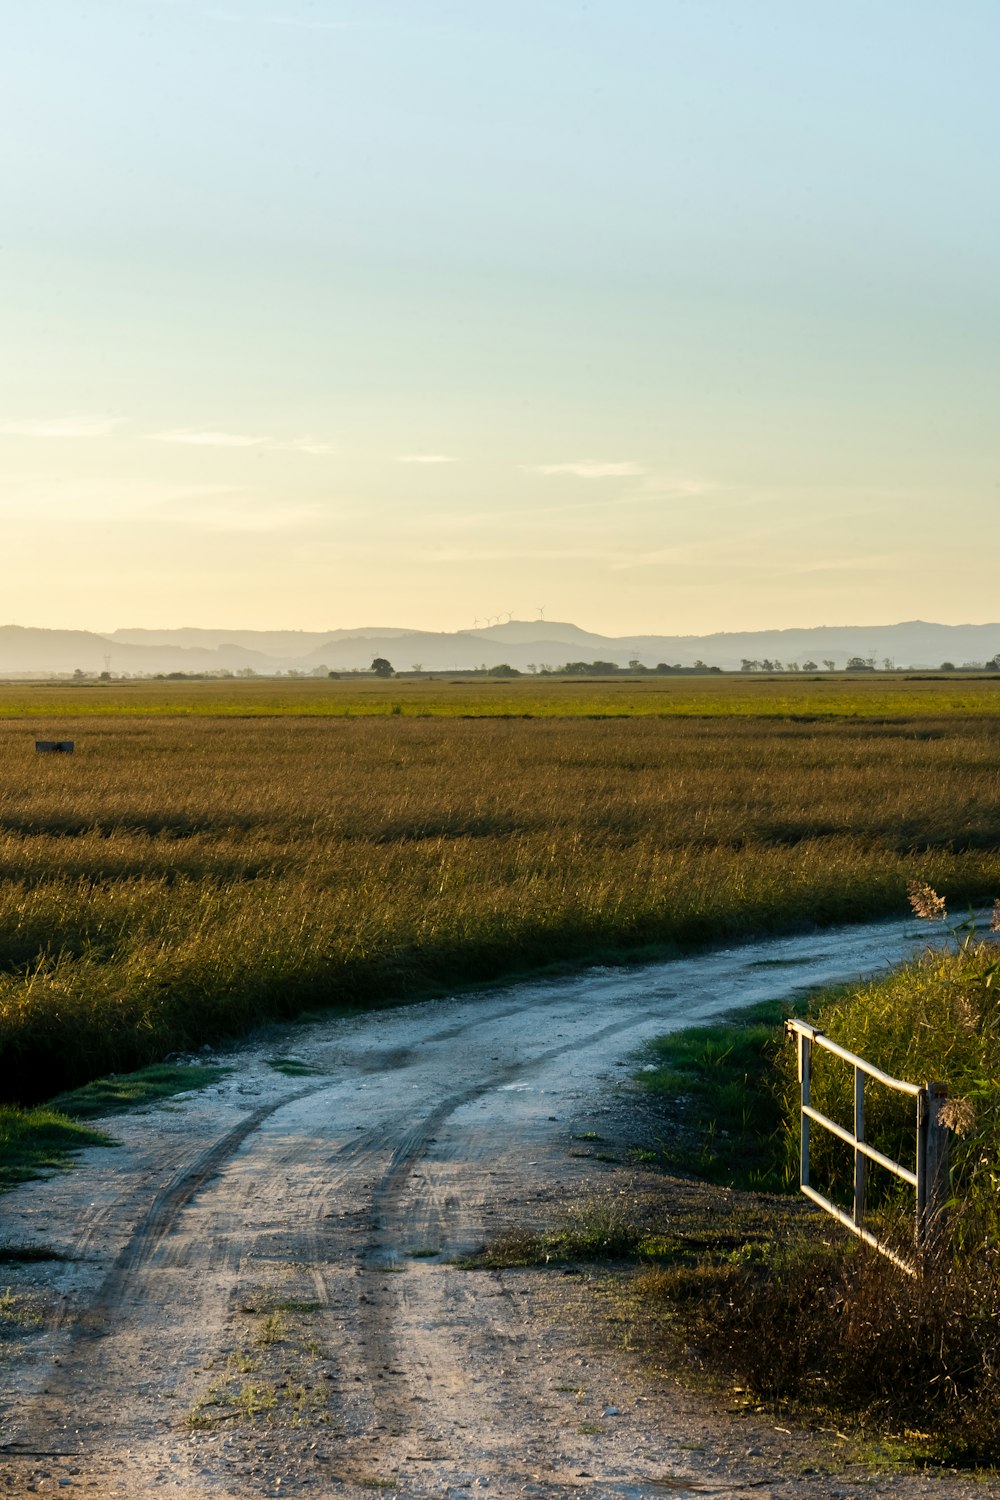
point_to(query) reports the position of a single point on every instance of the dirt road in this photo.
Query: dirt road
(257, 1298)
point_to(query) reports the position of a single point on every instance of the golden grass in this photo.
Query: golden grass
(454, 696)
(177, 880)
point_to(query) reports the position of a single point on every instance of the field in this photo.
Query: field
(454, 696)
(227, 853)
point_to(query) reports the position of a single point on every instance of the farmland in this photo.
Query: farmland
(225, 853)
(835, 694)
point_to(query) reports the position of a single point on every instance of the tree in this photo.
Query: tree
(381, 667)
(947, 666)
(859, 664)
(829, 664)
(809, 666)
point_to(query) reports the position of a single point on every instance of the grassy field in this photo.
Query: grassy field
(180, 879)
(836, 694)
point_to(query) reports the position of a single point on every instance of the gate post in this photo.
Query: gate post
(932, 1167)
(860, 1165)
(805, 1082)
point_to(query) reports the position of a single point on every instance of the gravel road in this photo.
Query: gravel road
(257, 1297)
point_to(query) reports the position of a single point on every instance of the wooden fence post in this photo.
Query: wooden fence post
(935, 1180)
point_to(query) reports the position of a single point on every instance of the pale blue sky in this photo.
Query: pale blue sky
(671, 315)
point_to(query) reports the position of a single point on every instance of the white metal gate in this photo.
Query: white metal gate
(930, 1180)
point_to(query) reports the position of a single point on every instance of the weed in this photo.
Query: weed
(292, 1067)
(19, 1311)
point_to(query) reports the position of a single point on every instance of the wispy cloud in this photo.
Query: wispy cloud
(62, 427)
(197, 437)
(427, 458)
(308, 445)
(589, 468)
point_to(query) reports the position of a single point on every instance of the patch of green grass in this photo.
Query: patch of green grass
(122, 1091)
(292, 1067)
(35, 1142)
(716, 1084)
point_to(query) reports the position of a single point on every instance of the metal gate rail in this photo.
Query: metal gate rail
(930, 1180)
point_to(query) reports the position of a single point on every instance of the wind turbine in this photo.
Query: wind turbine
(541, 611)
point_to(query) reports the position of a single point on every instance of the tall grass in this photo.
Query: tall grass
(178, 880)
(934, 1019)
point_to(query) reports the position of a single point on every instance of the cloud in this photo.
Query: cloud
(207, 439)
(426, 458)
(196, 437)
(62, 427)
(588, 468)
(308, 445)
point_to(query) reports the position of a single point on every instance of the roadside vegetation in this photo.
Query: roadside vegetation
(175, 882)
(36, 1142)
(770, 1299)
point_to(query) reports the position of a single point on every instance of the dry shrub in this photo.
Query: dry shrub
(838, 1331)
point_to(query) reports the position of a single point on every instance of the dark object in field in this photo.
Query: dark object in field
(57, 747)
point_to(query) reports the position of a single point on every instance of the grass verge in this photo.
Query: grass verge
(123, 1091)
(35, 1142)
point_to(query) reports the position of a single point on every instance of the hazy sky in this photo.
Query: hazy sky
(670, 315)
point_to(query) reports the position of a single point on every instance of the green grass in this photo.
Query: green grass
(292, 1067)
(35, 1142)
(724, 1119)
(146, 1086)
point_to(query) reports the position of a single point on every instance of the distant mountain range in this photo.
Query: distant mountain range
(32, 652)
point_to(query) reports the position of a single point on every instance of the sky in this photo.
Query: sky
(656, 315)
